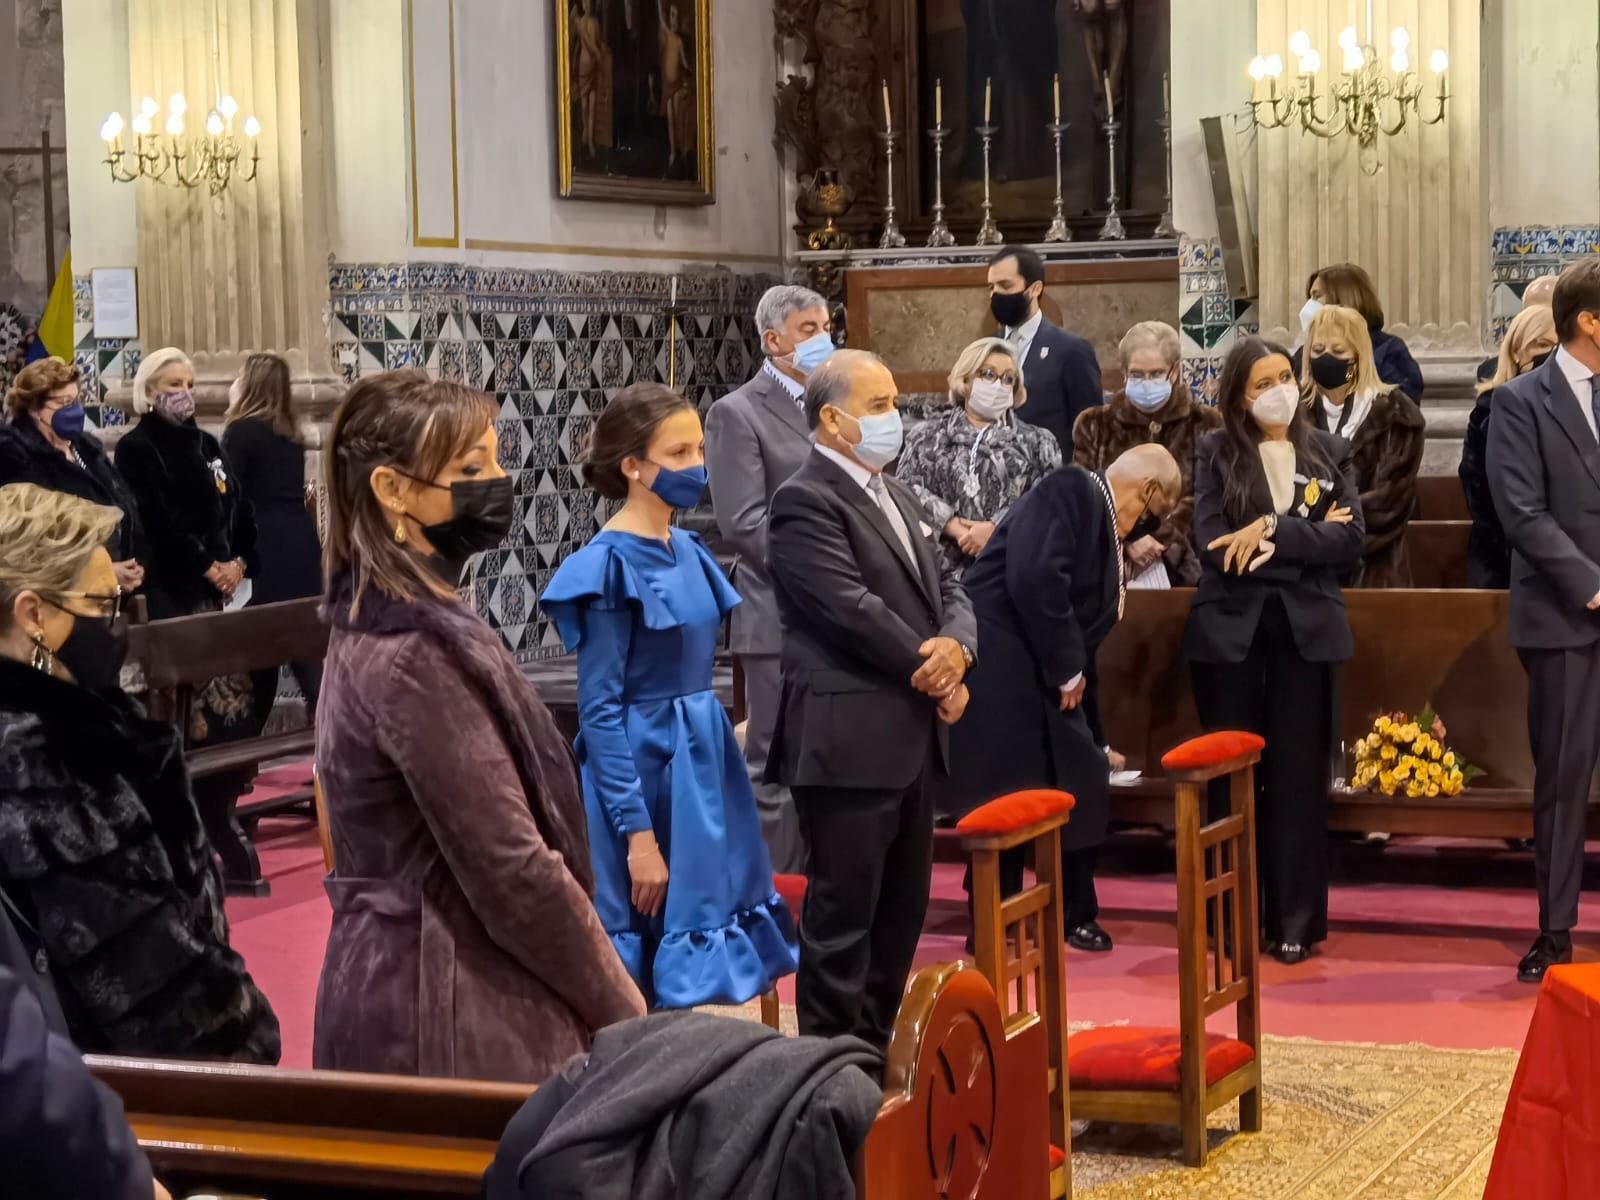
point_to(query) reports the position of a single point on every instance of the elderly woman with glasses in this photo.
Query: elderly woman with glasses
(106, 872)
(970, 464)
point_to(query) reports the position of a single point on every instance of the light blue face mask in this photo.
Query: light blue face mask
(1147, 395)
(881, 439)
(813, 352)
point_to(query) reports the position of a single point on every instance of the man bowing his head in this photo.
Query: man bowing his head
(877, 638)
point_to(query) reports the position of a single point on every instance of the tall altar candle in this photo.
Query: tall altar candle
(1055, 91)
(1166, 94)
(986, 82)
(672, 301)
(1106, 79)
(888, 119)
(938, 103)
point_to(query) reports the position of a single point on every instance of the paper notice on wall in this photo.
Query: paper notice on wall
(116, 302)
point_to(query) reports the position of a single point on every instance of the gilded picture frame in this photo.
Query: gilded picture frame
(635, 96)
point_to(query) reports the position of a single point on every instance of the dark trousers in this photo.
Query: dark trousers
(1564, 733)
(1080, 905)
(871, 861)
(1290, 702)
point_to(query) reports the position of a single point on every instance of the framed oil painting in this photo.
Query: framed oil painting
(635, 83)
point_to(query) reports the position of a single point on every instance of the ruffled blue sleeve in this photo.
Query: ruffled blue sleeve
(727, 599)
(600, 576)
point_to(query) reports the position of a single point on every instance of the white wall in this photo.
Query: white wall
(95, 52)
(1211, 45)
(367, 176)
(505, 182)
(1542, 82)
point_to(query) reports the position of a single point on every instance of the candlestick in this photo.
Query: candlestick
(892, 238)
(1106, 79)
(1112, 230)
(940, 235)
(672, 334)
(1055, 95)
(938, 102)
(986, 83)
(1058, 231)
(988, 232)
(888, 117)
(1164, 227)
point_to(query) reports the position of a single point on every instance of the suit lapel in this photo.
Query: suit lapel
(1562, 405)
(775, 398)
(927, 567)
(857, 496)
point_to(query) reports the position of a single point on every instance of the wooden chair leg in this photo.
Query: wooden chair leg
(1250, 1111)
(771, 1013)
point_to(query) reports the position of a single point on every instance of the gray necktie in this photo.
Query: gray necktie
(1594, 403)
(897, 521)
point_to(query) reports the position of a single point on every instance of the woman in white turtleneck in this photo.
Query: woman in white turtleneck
(1384, 428)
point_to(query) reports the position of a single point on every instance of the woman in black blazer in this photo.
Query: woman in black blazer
(265, 446)
(1277, 521)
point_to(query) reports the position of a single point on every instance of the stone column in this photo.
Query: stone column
(224, 276)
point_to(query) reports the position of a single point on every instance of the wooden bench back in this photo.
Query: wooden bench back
(1437, 552)
(1447, 648)
(963, 1115)
(191, 650)
(1440, 498)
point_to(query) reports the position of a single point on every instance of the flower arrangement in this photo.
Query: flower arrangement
(1408, 754)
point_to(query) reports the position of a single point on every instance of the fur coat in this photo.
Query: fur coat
(1385, 454)
(103, 854)
(464, 940)
(1103, 434)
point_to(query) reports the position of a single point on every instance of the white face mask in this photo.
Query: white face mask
(990, 399)
(1308, 310)
(1276, 405)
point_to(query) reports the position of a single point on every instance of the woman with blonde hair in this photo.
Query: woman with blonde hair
(1384, 429)
(1530, 339)
(105, 868)
(465, 941)
(47, 441)
(969, 464)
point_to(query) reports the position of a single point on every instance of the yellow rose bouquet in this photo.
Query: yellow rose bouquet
(1407, 754)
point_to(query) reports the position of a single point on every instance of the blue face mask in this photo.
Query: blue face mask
(680, 489)
(812, 353)
(881, 438)
(1147, 395)
(67, 422)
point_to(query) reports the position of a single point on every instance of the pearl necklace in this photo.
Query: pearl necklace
(1116, 547)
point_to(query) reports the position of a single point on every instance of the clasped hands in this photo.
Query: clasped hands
(1249, 547)
(225, 577)
(970, 536)
(943, 666)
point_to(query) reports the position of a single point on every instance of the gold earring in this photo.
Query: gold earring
(44, 658)
(400, 533)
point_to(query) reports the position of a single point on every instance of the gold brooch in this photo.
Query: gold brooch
(1313, 492)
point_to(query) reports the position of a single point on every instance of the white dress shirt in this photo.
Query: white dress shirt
(1022, 336)
(796, 391)
(1358, 404)
(848, 465)
(1579, 378)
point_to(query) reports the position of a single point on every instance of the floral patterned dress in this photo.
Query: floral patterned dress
(960, 470)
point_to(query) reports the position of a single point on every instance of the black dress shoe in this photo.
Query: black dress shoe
(1090, 937)
(1548, 950)
(1290, 953)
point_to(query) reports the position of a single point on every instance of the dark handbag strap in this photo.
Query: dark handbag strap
(30, 937)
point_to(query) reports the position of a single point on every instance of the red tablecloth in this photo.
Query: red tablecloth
(1549, 1144)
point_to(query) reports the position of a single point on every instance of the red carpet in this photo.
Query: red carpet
(1405, 962)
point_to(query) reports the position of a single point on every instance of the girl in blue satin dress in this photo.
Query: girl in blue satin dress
(683, 883)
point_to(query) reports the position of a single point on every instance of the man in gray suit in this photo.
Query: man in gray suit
(1544, 474)
(756, 437)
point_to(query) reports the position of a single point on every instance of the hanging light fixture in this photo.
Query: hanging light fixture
(1369, 99)
(213, 158)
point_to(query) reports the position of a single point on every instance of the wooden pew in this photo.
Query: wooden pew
(181, 654)
(964, 1114)
(1440, 498)
(1437, 551)
(1447, 648)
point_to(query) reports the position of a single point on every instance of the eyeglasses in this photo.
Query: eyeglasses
(107, 607)
(1146, 376)
(989, 375)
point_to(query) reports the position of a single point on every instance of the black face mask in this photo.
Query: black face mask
(1145, 526)
(1538, 360)
(94, 652)
(481, 511)
(1330, 371)
(1009, 308)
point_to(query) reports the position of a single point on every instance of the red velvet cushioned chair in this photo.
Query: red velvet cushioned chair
(793, 890)
(1018, 939)
(1155, 1076)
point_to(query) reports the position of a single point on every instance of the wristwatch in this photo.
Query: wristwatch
(967, 655)
(1272, 523)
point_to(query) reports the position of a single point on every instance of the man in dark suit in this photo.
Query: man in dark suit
(877, 638)
(756, 437)
(1060, 368)
(1544, 474)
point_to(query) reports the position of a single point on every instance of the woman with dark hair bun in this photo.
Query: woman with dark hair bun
(683, 883)
(1277, 521)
